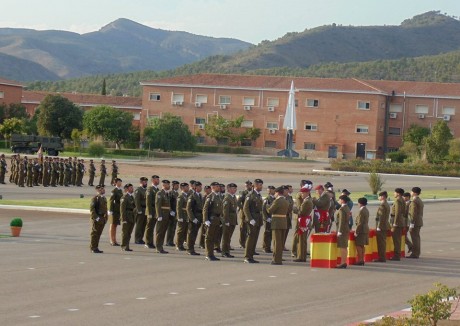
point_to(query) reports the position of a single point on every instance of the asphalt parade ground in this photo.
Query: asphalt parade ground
(49, 277)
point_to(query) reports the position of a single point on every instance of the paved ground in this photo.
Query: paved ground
(48, 276)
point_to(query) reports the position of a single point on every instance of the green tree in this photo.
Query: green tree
(169, 133)
(416, 135)
(219, 127)
(109, 123)
(13, 110)
(437, 144)
(454, 149)
(104, 88)
(58, 116)
(11, 126)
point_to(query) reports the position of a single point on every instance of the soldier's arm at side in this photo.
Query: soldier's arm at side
(247, 209)
(189, 208)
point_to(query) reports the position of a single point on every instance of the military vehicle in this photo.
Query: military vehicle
(30, 144)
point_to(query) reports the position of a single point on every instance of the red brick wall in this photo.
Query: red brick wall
(11, 94)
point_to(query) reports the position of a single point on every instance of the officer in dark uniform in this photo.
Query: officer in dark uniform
(141, 219)
(267, 241)
(92, 172)
(243, 225)
(212, 212)
(253, 214)
(174, 193)
(207, 191)
(61, 172)
(229, 219)
(67, 172)
(195, 217)
(162, 210)
(3, 166)
(278, 210)
(46, 172)
(397, 214)
(150, 211)
(74, 172)
(114, 172)
(103, 171)
(181, 215)
(98, 209)
(127, 215)
(114, 211)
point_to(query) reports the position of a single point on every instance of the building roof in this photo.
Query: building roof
(10, 82)
(282, 83)
(86, 100)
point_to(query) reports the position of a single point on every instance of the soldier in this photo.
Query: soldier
(73, 179)
(46, 172)
(22, 170)
(150, 211)
(406, 197)
(229, 219)
(114, 211)
(53, 172)
(243, 225)
(343, 230)
(397, 214)
(334, 205)
(171, 231)
(141, 219)
(67, 172)
(267, 241)
(253, 215)
(18, 161)
(13, 168)
(303, 223)
(289, 214)
(212, 212)
(416, 221)
(127, 214)
(36, 172)
(297, 202)
(61, 168)
(383, 225)
(82, 170)
(207, 191)
(103, 171)
(92, 173)
(79, 173)
(278, 210)
(362, 230)
(98, 209)
(30, 173)
(162, 210)
(195, 217)
(114, 172)
(218, 238)
(3, 167)
(181, 215)
(321, 219)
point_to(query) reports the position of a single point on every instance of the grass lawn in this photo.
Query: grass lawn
(4, 236)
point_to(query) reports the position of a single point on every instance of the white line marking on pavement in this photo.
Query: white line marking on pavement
(31, 268)
(141, 298)
(127, 258)
(109, 304)
(73, 309)
(293, 273)
(272, 276)
(250, 280)
(173, 293)
(82, 263)
(225, 284)
(34, 316)
(201, 288)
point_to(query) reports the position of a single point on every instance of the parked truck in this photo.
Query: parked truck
(30, 144)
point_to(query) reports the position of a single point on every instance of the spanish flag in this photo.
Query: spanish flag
(40, 154)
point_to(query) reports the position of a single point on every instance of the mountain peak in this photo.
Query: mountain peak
(122, 24)
(430, 18)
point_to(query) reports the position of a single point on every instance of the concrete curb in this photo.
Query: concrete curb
(387, 174)
(46, 209)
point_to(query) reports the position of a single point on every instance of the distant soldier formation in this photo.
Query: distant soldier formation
(174, 213)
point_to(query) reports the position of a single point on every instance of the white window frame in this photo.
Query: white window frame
(222, 97)
(396, 108)
(273, 141)
(393, 134)
(201, 98)
(363, 105)
(448, 110)
(310, 103)
(249, 101)
(273, 101)
(155, 97)
(422, 109)
(272, 125)
(177, 97)
(202, 121)
(247, 124)
(136, 116)
(359, 129)
(313, 126)
(309, 149)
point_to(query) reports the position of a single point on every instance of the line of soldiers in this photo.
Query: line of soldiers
(159, 214)
(53, 171)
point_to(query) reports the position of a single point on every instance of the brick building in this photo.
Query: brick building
(10, 91)
(335, 117)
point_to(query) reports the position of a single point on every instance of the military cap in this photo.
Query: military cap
(417, 190)
(91, 160)
(184, 184)
(303, 189)
(207, 187)
(328, 185)
(118, 179)
(129, 184)
(248, 182)
(362, 201)
(102, 160)
(99, 187)
(345, 198)
(113, 161)
(221, 184)
(196, 183)
(383, 193)
(232, 185)
(258, 181)
(155, 176)
(406, 194)
(271, 187)
(165, 181)
(280, 189)
(174, 182)
(346, 192)
(399, 191)
(215, 183)
(143, 179)
(192, 182)
(289, 186)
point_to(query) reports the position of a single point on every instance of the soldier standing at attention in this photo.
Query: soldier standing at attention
(150, 211)
(30, 173)
(362, 230)
(343, 230)
(141, 219)
(212, 212)
(36, 172)
(289, 214)
(253, 214)
(304, 219)
(207, 191)
(61, 172)
(103, 171)
(98, 209)
(243, 225)
(397, 214)
(79, 174)
(407, 197)
(46, 172)
(3, 167)
(22, 170)
(67, 172)
(321, 218)
(267, 217)
(297, 203)
(83, 170)
(12, 168)
(127, 215)
(92, 173)
(172, 216)
(74, 171)
(195, 217)
(279, 212)
(416, 221)
(162, 210)
(181, 214)
(229, 219)
(383, 225)
(114, 211)
(114, 172)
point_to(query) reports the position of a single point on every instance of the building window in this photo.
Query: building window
(246, 142)
(296, 103)
(270, 144)
(421, 109)
(362, 129)
(448, 111)
(152, 96)
(200, 139)
(392, 149)
(395, 108)
(272, 101)
(310, 146)
(272, 125)
(394, 131)
(200, 121)
(136, 116)
(311, 126)
(362, 105)
(224, 99)
(311, 103)
(201, 99)
(178, 99)
(249, 101)
(222, 141)
(247, 124)
(151, 120)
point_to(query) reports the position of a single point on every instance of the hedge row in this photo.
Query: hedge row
(221, 149)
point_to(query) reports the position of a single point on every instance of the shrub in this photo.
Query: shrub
(16, 222)
(375, 182)
(96, 149)
(397, 157)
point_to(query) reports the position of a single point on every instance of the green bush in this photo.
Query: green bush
(129, 152)
(397, 157)
(96, 149)
(221, 149)
(16, 222)
(375, 182)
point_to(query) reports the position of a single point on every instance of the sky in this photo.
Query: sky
(248, 20)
